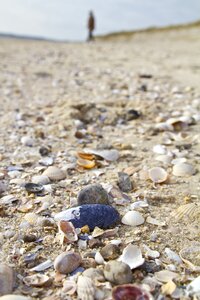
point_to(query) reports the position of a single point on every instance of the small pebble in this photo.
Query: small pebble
(124, 182)
(7, 279)
(110, 252)
(118, 272)
(67, 262)
(93, 194)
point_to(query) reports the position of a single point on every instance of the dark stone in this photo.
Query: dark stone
(124, 182)
(34, 187)
(132, 114)
(95, 243)
(93, 194)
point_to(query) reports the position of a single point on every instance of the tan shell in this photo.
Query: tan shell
(183, 170)
(85, 288)
(165, 275)
(187, 211)
(158, 175)
(191, 257)
(132, 218)
(54, 173)
(36, 280)
(67, 232)
(32, 218)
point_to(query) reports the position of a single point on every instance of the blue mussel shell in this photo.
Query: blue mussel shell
(103, 216)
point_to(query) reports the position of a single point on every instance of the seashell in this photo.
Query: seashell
(191, 257)
(173, 255)
(54, 173)
(67, 262)
(109, 155)
(67, 231)
(33, 187)
(14, 297)
(94, 273)
(132, 218)
(194, 286)
(82, 244)
(8, 199)
(164, 126)
(85, 288)
(43, 266)
(102, 216)
(41, 179)
(166, 159)
(140, 203)
(99, 258)
(46, 161)
(118, 272)
(93, 193)
(27, 141)
(165, 275)
(130, 291)
(36, 280)
(7, 279)
(132, 256)
(69, 287)
(86, 156)
(178, 160)
(177, 124)
(168, 288)
(187, 211)
(160, 149)
(158, 175)
(154, 221)
(183, 169)
(110, 251)
(86, 164)
(151, 253)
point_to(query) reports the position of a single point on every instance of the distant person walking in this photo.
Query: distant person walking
(91, 26)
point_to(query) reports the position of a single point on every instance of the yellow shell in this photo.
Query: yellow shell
(86, 164)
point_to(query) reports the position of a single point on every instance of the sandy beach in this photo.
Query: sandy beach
(138, 95)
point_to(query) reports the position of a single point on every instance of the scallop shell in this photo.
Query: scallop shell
(191, 257)
(183, 169)
(132, 218)
(158, 175)
(132, 256)
(187, 211)
(54, 173)
(85, 288)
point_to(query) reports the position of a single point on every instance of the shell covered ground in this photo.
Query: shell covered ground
(140, 97)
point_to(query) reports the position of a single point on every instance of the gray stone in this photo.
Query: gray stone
(93, 194)
(118, 272)
(124, 182)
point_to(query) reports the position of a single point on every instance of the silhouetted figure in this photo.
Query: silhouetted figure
(91, 26)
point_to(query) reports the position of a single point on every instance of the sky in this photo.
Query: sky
(66, 19)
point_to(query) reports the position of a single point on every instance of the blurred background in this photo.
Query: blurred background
(66, 19)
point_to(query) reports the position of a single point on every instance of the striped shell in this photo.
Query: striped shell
(190, 210)
(183, 169)
(54, 173)
(85, 288)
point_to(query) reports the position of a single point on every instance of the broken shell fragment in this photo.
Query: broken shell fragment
(130, 291)
(158, 175)
(191, 257)
(132, 256)
(159, 149)
(165, 275)
(102, 216)
(187, 211)
(37, 280)
(67, 231)
(54, 173)
(183, 170)
(132, 218)
(109, 155)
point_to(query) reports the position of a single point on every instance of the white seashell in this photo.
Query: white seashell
(132, 256)
(151, 253)
(116, 242)
(14, 174)
(99, 258)
(177, 123)
(82, 244)
(132, 218)
(154, 221)
(166, 159)
(173, 255)
(183, 169)
(140, 203)
(54, 173)
(160, 149)
(14, 297)
(46, 161)
(41, 179)
(164, 126)
(69, 287)
(27, 141)
(43, 266)
(178, 160)
(194, 286)
(109, 155)
(158, 175)
(85, 288)
(165, 275)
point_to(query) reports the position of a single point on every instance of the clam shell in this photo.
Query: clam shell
(54, 173)
(41, 179)
(132, 218)
(109, 155)
(100, 215)
(158, 175)
(85, 288)
(67, 230)
(132, 256)
(183, 170)
(166, 159)
(165, 275)
(160, 149)
(191, 257)
(187, 211)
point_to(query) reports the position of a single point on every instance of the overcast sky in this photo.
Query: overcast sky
(66, 19)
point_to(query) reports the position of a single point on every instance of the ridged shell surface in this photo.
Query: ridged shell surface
(187, 211)
(133, 218)
(183, 169)
(85, 288)
(102, 216)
